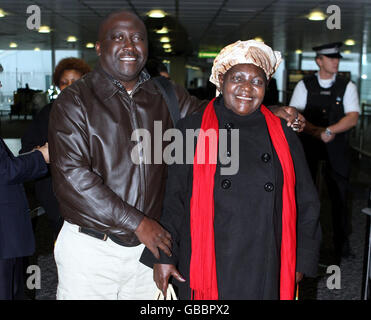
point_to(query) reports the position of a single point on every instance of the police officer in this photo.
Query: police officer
(330, 105)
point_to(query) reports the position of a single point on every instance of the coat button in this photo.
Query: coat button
(226, 184)
(229, 126)
(265, 157)
(269, 187)
(228, 154)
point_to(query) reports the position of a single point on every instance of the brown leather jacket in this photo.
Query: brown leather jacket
(94, 178)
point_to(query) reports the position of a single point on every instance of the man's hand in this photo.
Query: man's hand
(326, 138)
(294, 119)
(45, 152)
(162, 273)
(153, 236)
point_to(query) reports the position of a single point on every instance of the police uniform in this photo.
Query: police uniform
(324, 102)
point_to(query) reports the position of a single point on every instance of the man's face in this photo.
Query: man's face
(329, 65)
(123, 48)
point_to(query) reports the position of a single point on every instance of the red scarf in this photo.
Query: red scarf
(203, 280)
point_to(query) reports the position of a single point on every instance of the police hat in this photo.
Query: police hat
(331, 50)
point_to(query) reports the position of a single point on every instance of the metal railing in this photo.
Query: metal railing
(362, 131)
(367, 253)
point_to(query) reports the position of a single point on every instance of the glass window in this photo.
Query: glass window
(27, 67)
(366, 79)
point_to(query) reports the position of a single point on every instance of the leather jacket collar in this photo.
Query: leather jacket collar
(106, 86)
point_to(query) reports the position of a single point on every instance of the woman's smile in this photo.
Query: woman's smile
(244, 98)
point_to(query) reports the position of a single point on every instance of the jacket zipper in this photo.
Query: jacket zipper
(133, 115)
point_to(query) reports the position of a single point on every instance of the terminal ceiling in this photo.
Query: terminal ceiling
(194, 24)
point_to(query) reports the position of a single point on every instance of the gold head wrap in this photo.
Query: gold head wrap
(249, 51)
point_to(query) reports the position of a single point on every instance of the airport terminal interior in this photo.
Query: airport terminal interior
(186, 35)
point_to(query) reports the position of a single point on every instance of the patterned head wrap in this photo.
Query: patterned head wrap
(249, 51)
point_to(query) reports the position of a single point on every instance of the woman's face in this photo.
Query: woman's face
(68, 77)
(243, 87)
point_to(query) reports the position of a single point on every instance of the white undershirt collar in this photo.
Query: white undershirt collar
(326, 83)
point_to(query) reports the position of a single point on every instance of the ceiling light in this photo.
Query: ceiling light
(156, 14)
(163, 30)
(164, 39)
(44, 29)
(168, 50)
(347, 52)
(364, 76)
(258, 39)
(316, 15)
(71, 39)
(349, 42)
(13, 45)
(166, 45)
(298, 51)
(90, 45)
(207, 54)
(2, 13)
(37, 49)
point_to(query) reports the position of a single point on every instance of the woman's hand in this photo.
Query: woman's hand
(162, 273)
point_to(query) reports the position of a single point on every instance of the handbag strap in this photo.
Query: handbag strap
(168, 92)
(170, 294)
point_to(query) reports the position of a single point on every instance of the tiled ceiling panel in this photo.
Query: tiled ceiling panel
(206, 24)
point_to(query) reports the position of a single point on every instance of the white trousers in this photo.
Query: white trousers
(93, 269)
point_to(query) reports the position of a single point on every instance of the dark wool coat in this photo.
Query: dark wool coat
(16, 234)
(248, 207)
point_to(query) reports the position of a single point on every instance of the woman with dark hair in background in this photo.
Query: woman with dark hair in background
(67, 71)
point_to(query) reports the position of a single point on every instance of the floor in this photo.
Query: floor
(351, 282)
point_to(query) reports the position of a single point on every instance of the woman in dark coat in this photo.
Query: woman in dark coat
(67, 71)
(249, 235)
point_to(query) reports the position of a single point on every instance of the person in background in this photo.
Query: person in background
(248, 235)
(330, 105)
(67, 71)
(271, 96)
(157, 68)
(16, 234)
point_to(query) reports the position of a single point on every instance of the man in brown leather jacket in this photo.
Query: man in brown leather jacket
(110, 205)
